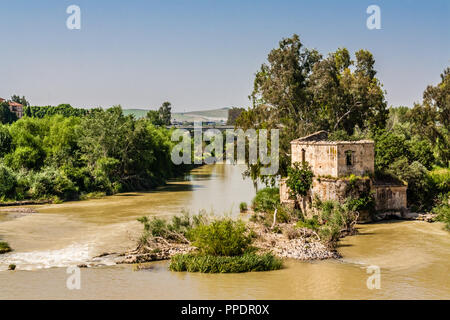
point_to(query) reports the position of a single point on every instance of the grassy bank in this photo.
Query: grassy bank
(224, 264)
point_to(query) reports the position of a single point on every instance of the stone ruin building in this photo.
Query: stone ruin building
(333, 162)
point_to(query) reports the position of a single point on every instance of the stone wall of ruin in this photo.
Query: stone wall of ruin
(321, 157)
(363, 159)
(339, 189)
(388, 197)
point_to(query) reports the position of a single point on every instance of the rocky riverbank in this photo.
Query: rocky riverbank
(291, 242)
(406, 215)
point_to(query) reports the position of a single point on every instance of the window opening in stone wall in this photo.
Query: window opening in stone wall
(349, 158)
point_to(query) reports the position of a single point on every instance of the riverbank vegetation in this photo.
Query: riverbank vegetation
(61, 154)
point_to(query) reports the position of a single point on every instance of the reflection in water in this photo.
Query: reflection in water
(414, 257)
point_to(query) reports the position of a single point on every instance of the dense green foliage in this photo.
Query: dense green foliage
(400, 153)
(414, 147)
(223, 237)
(224, 264)
(443, 214)
(68, 156)
(65, 110)
(266, 200)
(299, 179)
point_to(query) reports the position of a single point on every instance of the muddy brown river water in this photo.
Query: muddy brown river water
(413, 257)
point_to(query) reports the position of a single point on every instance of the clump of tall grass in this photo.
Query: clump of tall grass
(176, 229)
(224, 264)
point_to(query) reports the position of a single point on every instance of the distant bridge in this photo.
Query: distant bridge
(191, 128)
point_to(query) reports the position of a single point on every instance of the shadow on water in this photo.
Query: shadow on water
(364, 233)
(341, 245)
(390, 221)
(175, 187)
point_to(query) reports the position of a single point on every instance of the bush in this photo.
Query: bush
(443, 214)
(333, 221)
(441, 180)
(243, 206)
(176, 230)
(25, 157)
(389, 147)
(223, 237)
(422, 151)
(421, 191)
(312, 223)
(4, 247)
(8, 182)
(363, 202)
(5, 141)
(51, 182)
(224, 264)
(299, 179)
(266, 200)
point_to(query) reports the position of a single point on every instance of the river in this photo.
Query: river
(413, 257)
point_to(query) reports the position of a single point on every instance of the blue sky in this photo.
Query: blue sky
(203, 54)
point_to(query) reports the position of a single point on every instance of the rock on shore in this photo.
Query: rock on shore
(291, 242)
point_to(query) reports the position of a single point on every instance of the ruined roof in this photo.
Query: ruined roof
(15, 104)
(321, 137)
(316, 136)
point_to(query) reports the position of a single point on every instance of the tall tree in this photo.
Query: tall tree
(345, 99)
(6, 116)
(165, 112)
(154, 117)
(431, 118)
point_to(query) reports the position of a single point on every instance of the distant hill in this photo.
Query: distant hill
(191, 116)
